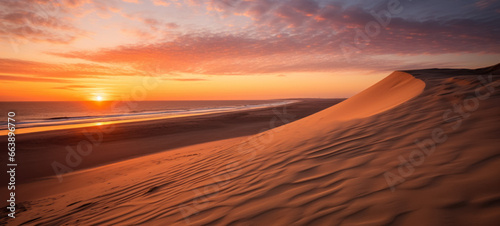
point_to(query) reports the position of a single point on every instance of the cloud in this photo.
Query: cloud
(38, 21)
(31, 79)
(208, 54)
(282, 37)
(49, 21)
(47, 70)
(311, 50)
(153, 29)
(171, 25)
(73, 87)
(482, 4)
(132, 1)
(161, 2)
(186, 79)
(417, 29)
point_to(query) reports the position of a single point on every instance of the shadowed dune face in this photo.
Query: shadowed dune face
(429, 157)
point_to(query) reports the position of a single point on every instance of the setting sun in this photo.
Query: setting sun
(99, 98)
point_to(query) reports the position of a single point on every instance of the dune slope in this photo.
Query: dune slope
(393, 90)
(397, 153)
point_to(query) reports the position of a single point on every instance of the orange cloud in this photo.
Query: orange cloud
(186, 79)
(73, 87)
(132, 1)
(47, 70)
(31, 79)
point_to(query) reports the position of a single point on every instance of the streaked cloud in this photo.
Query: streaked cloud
(73, 87)
(306, 35)
(186, 79)
(50, 70)
(31, 79)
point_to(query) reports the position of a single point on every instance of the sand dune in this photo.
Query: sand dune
(393, 90)
(418, 148)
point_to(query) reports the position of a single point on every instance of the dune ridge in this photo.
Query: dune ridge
(391, 91)
(327, 169)
(388, 93)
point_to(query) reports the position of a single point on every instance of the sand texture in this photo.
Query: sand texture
(418, 148)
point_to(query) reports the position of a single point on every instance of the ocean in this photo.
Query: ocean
(47, 114)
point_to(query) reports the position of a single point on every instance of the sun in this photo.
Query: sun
(99, 98)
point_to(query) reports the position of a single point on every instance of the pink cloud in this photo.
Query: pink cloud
(44, 21)
(284, 36)
(132, 1)
(152, 23)
(297, 35)
(161, 2)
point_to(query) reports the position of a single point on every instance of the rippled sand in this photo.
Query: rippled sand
(418, 148)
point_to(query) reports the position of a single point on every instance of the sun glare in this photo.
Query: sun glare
(98, 98)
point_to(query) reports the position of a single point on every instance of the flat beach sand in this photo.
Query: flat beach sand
(420, 147)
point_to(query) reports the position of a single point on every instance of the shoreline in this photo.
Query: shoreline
(82, 122)
(117, 142)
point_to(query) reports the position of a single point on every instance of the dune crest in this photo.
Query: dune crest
(391, 91)
(326, 169)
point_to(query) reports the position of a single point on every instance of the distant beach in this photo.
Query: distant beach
(45, 116)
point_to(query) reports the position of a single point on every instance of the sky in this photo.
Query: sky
(72, 50)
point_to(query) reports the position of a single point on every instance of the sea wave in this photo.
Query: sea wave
(143, 115)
